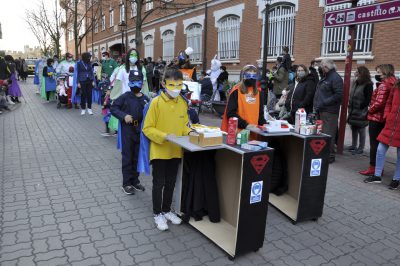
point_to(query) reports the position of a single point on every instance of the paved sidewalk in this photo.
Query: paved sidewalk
(61, 204)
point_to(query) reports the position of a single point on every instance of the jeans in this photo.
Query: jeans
(356, 132)
(164, 178)
(380, 161)
(374, 129)
(86, 94)
(330, 127)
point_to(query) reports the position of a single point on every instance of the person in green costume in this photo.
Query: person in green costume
(108, 64)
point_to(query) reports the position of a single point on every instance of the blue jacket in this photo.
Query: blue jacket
(84, 72)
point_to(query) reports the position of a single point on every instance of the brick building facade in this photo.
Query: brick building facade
(235, 33)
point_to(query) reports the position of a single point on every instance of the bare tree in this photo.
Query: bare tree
(79, 18)
(46, 26)
(160, 7)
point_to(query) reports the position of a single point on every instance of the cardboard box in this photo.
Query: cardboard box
(206, 139)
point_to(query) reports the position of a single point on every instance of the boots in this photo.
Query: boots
(370, 171)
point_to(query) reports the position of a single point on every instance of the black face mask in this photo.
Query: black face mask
(135, 89)
(378, 78)
(250, 82)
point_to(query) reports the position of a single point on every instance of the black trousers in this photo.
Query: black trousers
(330, 127)
(130, 154)
(375, 129)
(164, 178)
(48, 95)
(86, 94)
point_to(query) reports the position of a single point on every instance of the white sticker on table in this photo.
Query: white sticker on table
(256, 192)
(316, 167)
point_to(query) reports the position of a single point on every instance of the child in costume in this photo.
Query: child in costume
(128, 108)
(166, 117)
(50, 84)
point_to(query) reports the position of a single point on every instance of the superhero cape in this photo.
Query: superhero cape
(36, 78)
(74, 97)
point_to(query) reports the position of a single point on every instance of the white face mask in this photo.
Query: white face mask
(104, 58)
(173, 93)
(132, 60)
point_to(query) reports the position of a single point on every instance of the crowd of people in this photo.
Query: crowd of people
(143, 103)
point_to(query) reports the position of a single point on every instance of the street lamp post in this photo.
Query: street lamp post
(122, 27)
(265, 44)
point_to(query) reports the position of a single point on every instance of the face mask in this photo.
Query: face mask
(136, 90)
(133, 60)
(301, 75)
(69, 59)
(173, 87)
(250, 82)
(378, 78)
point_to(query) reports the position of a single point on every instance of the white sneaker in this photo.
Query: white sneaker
(83, 112)
(170, 216)
(161, 222)
(90, 111)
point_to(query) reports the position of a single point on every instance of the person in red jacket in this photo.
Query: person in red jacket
(389, 137)
(386, 80)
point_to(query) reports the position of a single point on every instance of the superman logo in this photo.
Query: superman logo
(259, 162)
(317, 145)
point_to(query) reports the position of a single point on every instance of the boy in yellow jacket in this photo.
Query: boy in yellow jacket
(167, 116)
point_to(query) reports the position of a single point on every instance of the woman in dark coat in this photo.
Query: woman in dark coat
(360, 97)
(301, 92)
(389, 137)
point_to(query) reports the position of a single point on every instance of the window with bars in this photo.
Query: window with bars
(194, 34)
(149, 5)
(103, 22)
(133, 9)
(82, 28)
(281, 29)
(121, 13)
(229, 37)
(168, 45)
(334, 39)
(111, 18)
(148, 46)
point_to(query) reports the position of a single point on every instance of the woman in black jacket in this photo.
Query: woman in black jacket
(301, 92)
(360, 97)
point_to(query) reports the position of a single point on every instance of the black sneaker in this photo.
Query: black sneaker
(358, 151)
(394, 184)
(139, 187)
(128, 190)
(351, 148)
(332, 160)
(373, 179)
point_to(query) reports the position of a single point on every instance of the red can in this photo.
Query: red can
(232, 128)
(319, 124)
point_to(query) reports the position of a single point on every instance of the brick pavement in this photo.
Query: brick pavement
(61, 204)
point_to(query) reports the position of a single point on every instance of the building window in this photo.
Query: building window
(281, 29)
(96, 25)
(70, 35)
(121, 13)
(229, 37)
(194, 39)
(103, 22)
(149, 46)
(133, 9)
(334, 39)
(168, 38)
(149, 5)
(82, 28)
(111, 18)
